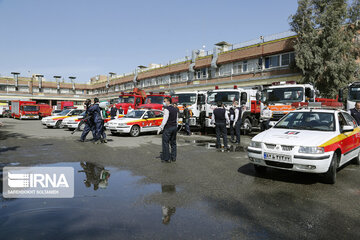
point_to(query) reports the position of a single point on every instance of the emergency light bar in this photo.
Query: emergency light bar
(318, 105)
(235, 86)
(216, 87)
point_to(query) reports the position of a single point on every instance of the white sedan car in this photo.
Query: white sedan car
(73, 122)
(136, 121)
(56, 121)
(308, 140)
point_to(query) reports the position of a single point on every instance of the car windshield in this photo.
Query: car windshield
(64, 112)
(30, 108)
(56, 111)
(185, 98)
(135, 114)
(283, 95)
(224, 97)
(126, 99)
(318, 121)
(154, 99)
(354, 93)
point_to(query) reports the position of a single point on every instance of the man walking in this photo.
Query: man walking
(186, 119)
(220, 118)
(96, 116)
(237, 121)
(169, 125)
(87, 119)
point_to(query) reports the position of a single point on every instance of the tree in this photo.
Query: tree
(325, 51)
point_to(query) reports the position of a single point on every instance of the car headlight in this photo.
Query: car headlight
(255, 144)
(313, 150)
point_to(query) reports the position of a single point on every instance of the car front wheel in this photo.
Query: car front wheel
(330, 176)
(135, 131)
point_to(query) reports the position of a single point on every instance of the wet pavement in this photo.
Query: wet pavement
(123, 191)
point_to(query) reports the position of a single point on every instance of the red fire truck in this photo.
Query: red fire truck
(24, 109)
(45, 110)
(64, 105)
(154, 100)
(131, 99)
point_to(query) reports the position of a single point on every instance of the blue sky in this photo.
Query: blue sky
(84, 38)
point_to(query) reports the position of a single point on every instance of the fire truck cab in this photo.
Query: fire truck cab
(154, 101)
(353, 95)
(24, 110)
(130, 99)
(281, 95)
(195, 102)
(248, 99)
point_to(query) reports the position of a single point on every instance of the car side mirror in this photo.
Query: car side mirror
(145, 117)
(347, 128)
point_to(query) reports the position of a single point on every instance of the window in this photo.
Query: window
(237, 68)
(225, 70)
(201, 73)
(245, 66)
(317, 121)
(272, 61)
(287, 59)
(350, 120)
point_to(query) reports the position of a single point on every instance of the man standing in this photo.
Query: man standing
(96, 116)
(266, 115)
(232, 117)
(186, 119)
(220, 118)
(121, 111)
(114, 112)
(237, 121)
(355, 112)
(169, 125)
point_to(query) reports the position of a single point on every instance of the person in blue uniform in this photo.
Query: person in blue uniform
(95, 113)
(169, 127)
(220, 118)
(88, 121)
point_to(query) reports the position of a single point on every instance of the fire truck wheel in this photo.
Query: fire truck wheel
(330, 176)
(135, 131)
(247, 126)
(356, 160)
(57, 124)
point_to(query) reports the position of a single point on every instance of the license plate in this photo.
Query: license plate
(277, 157)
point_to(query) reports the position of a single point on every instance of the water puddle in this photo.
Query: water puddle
(211, 144)
(108, 204)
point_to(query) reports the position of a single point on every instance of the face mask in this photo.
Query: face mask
(164, 103)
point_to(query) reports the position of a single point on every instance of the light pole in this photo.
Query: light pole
(57, 79)
(72, 79)
(111, 74)
(39, 77)
(16, 77)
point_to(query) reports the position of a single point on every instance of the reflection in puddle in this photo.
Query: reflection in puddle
(167, 211)
(119, 212)
(95, 174)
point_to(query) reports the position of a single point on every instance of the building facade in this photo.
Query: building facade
(257, 62)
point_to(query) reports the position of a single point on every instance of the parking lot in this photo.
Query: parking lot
(205, 194)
